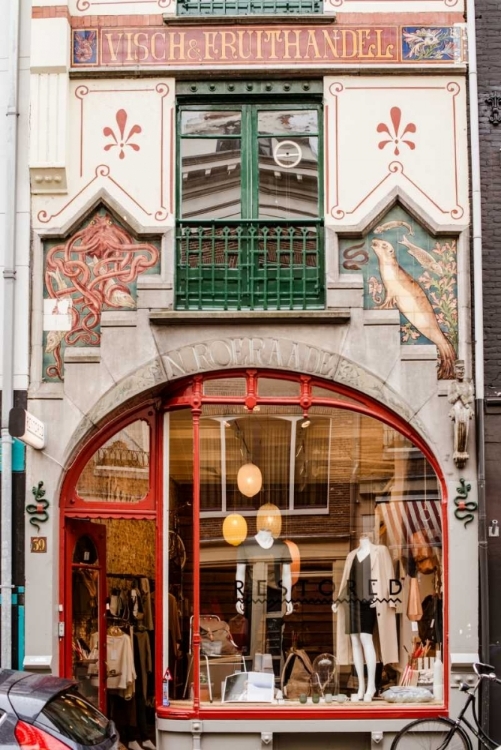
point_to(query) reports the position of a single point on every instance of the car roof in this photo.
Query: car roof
(29, 692)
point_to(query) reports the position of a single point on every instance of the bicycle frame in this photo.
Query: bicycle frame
(476, 730)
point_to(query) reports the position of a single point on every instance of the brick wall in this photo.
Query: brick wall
(488, 19)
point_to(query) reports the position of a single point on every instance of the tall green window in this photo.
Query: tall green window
(249, 234)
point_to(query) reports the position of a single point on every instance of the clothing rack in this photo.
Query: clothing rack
(128, 576)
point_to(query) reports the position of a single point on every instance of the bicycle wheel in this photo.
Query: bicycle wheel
(431, 734)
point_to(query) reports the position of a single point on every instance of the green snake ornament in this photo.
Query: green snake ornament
(464, 508)
(38, 509)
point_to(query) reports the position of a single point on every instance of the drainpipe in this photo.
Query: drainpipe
(478, 345)
(9, 277)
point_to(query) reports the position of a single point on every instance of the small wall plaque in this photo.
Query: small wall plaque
(38, 544)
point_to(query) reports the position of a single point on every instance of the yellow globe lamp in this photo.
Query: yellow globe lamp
(296, 560)
(269, 518)
(249, 479)
(234, 529)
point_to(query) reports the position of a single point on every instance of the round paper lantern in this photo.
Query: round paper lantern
(249, 480)
(269, 518)
(234, 529)
(296, 560)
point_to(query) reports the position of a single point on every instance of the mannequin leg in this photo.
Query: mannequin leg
(370, 660)
(358, 661)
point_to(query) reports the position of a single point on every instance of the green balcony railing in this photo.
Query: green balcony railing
(250, 265)
(247, 7)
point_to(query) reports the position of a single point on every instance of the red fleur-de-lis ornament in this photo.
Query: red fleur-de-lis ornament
(396, 137)
(122, 140)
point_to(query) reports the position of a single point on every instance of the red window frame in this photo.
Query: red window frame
(189, 393)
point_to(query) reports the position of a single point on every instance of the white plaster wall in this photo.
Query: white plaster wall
(22, 287)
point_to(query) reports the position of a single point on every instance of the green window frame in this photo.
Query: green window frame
(240, 254)
(248, 7)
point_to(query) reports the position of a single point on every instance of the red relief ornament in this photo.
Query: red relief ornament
(396, 137)
(122, 140)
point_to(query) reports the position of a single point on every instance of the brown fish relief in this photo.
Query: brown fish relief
(404, 293)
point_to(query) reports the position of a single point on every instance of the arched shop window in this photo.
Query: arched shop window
(301, 546)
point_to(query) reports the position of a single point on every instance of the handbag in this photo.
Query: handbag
(296, 674)
(414, 607)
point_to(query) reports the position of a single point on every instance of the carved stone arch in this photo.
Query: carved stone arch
(149, 379)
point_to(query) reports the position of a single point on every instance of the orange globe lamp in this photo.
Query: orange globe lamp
(234, 529)
(249, 479)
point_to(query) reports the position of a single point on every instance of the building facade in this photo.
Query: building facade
(250, 227)
(488, 18)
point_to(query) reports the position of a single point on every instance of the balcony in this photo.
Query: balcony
(250, 265)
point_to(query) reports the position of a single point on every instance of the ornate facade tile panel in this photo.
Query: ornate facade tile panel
(384, 133)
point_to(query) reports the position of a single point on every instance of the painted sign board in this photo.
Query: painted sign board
(28, 428)
(321, 44)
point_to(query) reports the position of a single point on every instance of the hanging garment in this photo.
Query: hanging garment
(144, 588)
(119, 663)
(174, 626)
(144, 665)
(381, 575)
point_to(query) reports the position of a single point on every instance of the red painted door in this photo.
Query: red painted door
(85, 608)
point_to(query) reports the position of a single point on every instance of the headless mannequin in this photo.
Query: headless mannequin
(264, 538)
(362, 645)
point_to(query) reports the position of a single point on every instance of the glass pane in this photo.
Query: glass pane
(210, 170)
(225, 387)
(313, 462)
(119, 471)
(85, 624)
(324, 556)
(180, 560)
(210, 123)
(75, 719)
(277, 387)
(289, 122)
(318, 392)
(288, 178)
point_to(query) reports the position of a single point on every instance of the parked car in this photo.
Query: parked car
(42, 712)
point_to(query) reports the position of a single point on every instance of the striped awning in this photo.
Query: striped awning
(404, 515)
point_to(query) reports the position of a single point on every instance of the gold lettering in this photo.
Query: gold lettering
(140, 46)
(379, 45)
(313, 44)
(130, 56)
(363, 38)
(288, 44)
(273, 37)
(153, 46)
(331, 39)
(259, 44)
(228, 44)
(113, 52)
(344, 37)
(210, 44)
(241, 55)
(177, 46)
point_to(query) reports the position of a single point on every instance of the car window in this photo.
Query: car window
(76, 719)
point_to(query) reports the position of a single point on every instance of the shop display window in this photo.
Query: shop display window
(318, 559)
(288, 536)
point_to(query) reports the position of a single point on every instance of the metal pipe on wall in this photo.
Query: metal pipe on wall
(478, 343)
(9, 277)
